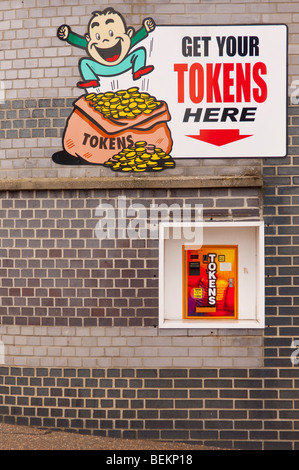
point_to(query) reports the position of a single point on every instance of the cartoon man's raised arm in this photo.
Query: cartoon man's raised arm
(66, 34)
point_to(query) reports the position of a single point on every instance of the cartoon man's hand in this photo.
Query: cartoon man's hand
(63, 32)
(149, 24)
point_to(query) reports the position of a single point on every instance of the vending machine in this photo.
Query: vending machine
(210, 282)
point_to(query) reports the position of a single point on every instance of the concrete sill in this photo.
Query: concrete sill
(140, 182)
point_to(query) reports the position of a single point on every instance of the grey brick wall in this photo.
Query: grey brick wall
(236, 391)
(130, 347)
(56, 272)
(31, 131)
(256, 407)
(280, 207)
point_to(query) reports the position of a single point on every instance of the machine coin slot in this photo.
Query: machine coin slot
(194, 268)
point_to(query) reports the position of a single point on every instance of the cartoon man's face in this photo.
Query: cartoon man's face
(108, 40)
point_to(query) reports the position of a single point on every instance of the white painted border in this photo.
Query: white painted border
(258, 317)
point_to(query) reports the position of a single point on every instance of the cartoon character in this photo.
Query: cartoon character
(108, 44)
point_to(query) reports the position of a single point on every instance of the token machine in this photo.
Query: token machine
(210, 282)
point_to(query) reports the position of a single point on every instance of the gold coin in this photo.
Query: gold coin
(90, 96)
(133, 90)
(141, 165)
(130, 154)
(140, 143)
(133, 105)
(154, 157)
(157, 168)
(148, 111)
(127, 168)
(171, 163)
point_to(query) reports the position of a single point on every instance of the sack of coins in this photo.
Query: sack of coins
(103, 125)
(140, 157)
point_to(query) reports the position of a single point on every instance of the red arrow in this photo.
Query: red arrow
(219, 137)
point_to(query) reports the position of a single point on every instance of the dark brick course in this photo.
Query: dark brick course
(238, 424)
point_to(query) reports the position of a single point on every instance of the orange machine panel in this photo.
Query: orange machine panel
(210, 282)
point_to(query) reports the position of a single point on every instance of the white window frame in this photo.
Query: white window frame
(255, 319)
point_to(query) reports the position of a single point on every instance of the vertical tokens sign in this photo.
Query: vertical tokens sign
(226, 88)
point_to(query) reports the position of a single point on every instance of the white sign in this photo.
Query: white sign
(225, 87)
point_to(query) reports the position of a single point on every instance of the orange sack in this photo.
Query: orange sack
(91, 136)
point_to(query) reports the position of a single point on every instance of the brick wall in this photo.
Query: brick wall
(31, 131)
(131, 347)
(36, 64)
(40, 72)
(241, 409)
(281, 209)
(56, 272)
(78, 316)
